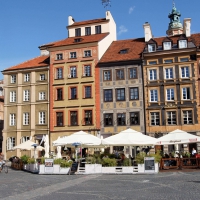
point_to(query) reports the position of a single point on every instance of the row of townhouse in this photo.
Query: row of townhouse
(91, 82)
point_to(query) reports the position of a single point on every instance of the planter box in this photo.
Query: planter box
(41, 169)
(140, 168)
(56, 169)
(128, 170)
(109, 170)
(25, 167)
(64, 170)
(157, 167)
(93, 168)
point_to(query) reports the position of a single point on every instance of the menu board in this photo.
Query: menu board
(149, 164)
(48, 165)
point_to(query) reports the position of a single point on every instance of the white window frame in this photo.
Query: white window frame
(26, 95)
(24, 139)
(42, 95)
(26, 77)
(73, 54)
(153, 95)
(187, 114)
(87, 53)
(13, 78)
(59, 73)
(171, 116)
(184, 73)
(185, 95)
(152, 74)
(12, 119)
(169, 71)
(73, 72)
(88, 70)
(182, 44)
(167, 45)
(42, 77)
(170, 95)
(151, 47)
(10, 143)
(26, 118)
(12, 96)
(59, 56)
(42, 117)
(155, 118)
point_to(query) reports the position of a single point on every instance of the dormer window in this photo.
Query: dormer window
(167, 45)
(98, 29)
(87, 30)
(182, 44)
(151, 47)
(123, 51)
(77, 40)
(77, 32)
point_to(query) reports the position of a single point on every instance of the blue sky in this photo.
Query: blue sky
(27, 24)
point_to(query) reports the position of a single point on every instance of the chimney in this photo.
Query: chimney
(70, 20)
(147, 31)
(186, 27)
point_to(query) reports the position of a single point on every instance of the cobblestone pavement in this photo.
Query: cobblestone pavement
(19, 185)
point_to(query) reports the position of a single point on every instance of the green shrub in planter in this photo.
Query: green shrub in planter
(109, 162)
(65, 164)
(57, 161)
(31, 161)
(156, 156)
(127, 162)
(24, 159)
(140, 157)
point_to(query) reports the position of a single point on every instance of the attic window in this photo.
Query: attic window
(182, 44)
(151, 47)
(77, 40)
(167, 45)
(123, 51)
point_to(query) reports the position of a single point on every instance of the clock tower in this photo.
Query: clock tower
(175, 27)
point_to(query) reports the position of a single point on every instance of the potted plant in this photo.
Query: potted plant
(32, 164)
(140, 161)
(127, 166)
(24, 160)
(93, 164)
(65, 166)
(56, 165)
(109, 165)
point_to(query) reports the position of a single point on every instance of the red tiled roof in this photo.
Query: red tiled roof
(134, 49)
(93, 21)
(40, 61)
(196, 38)
(84, 39)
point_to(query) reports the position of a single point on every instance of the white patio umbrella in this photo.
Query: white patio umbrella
(58, 152)
(178, 137)
(46, 146)
(85, 140)
(129, 137)
(28, 145)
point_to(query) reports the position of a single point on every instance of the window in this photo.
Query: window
(185, 72)
(13, 96)
(107, 75)
(59, 73)
(41, 117)
(73, 72)
(87, 70)
(134, 118)
(87, 30)
(59, 118)
(13, 79)
(26, 77)
(73, 93)
(169, 73)
(26, 118)
(77, 40)
(98, 29)
(59, 56)
(187, 117)
(152, 74)
(120, 94)
(88, 92)
(184, 59)
(168, 61)
(42, 77)
(108, 119)
(59, 94)
(182, 44)
(171, 117)
(42, 95)
(10, 143)
(77, 32)
(72, 54)
(108, 95)
(134, 94)
(170, 94)
(153, 95)
(26, 95)
(132, 73)
(88, 117)
(154, 62)
(155, 119)
(12, 119)
(121, 119)
(87, 53)
(186, 93)
(167, 45)
(24, 139)
(151, 47)
(123, 51)
(73, 118)
(119, 74)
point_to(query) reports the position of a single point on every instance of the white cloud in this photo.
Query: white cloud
(131, 9)
(122, 29)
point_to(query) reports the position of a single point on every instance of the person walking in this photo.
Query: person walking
(194, 151)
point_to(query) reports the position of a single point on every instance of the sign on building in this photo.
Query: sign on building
(48, 165)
